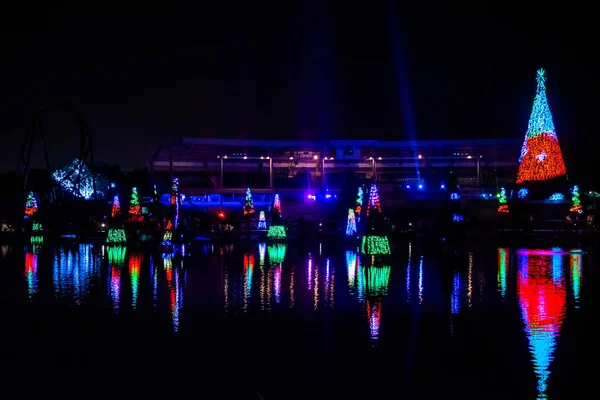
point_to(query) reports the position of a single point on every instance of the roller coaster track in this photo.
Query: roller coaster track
(36, 132)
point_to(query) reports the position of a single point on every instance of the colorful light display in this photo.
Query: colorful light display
(352, 264)
(116, 255)
(575, 200)
(374, 201)
(31, 266)
(351, 223)
(502, 201)
(277, 204)
(542, 297)
(248, 203)
(359, 200)
(31, 205)
(135, 264)
(168, 235)
(175, 202)
(576, 275)
(276, 253)
(135, 210)
(522, 193)
(454, 196)
(503, 264)
(78, 180)
(73, 271)
(557, 197)
(115, 210)
(116, 236)
(37, 227)
(262, 221)
(248, 276)
(375, 245)
(276, 232)
(541, 158)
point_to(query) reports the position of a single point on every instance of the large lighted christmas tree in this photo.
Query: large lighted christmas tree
(135, 211)
(374, 201)
(31, 206)
(277, 228)
(375, 241)
(248, 204)
(541, 158)
(351, 224)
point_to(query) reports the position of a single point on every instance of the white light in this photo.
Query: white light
(380, 158)
(245, 157)
(225, 156)
(420, 156)
(469, 157)
(420, 186)
(103, 225)
(315, 157)
(291, 158)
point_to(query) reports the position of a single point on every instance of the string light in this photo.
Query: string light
(116, 236)
(134, 206)
(249, 205)
(375, 245)
(541, 158)
(276, 232)
(502, 201)
(262, 222)
(351, 224)
(575, 200)
(374, 201)
(31, 206)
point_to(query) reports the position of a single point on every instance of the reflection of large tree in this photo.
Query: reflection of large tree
(542, 297)
(373, 282)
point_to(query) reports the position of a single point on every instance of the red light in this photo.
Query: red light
(222, 215)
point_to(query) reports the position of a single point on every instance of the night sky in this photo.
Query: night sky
(316, 70)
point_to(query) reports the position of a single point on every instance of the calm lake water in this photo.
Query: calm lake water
(292, 322)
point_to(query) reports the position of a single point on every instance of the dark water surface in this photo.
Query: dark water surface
(290, 323)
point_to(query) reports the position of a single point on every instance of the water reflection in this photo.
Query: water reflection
(116, 261)
(135, 264)
(73, 272)
(248, 275)
(31, 266)
(174, 276)
(503, 267)
(373, 284)
(576, 275)
(542, 297)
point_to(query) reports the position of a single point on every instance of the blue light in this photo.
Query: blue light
(408, 186)
(420, 186)
(112, 185)
(442, 186)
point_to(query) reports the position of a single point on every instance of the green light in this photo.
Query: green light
(276, 253)
(116, 236)
(37, 227)
(116, 254)
(375, 245)
(276, 232)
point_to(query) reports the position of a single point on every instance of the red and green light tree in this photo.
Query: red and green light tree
(502, 201)
(135, 210)
(541, 157)
(116, 207)
(31, 206)
(249, 204)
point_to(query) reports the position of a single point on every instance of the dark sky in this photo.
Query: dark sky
(312, 70)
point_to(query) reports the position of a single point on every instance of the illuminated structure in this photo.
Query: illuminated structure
(541, 157)
(373, 282)
(262, 222)
(248, 204)
(135, 210)
(223, 166)
(175, 202)
(502, 201)
(351, 224)
(374, 241)
(78, 180)
(542, 297)
(276, 253)
(277, 227)
(116, 233)
(31, 205)
(575, 200)
(168, 234)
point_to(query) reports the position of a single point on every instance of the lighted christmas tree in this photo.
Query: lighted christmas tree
(249, 205)
(359, 200)
(575, 200)
(277, 228)
(135, 211)
(116, 233)
(374, 202)
(168, 235)
(502, 201)
(116, 207)
(31, 206)
(351, 224)
(262, 222)
(541, 158)
(175, 201)
(277, 204)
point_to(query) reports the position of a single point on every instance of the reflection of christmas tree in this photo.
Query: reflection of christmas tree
(168, 235)
(31, 206)
(575, 200)
(135, 211)
(351, 224)
(541, 158)
(502, 201)
(248, 204)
